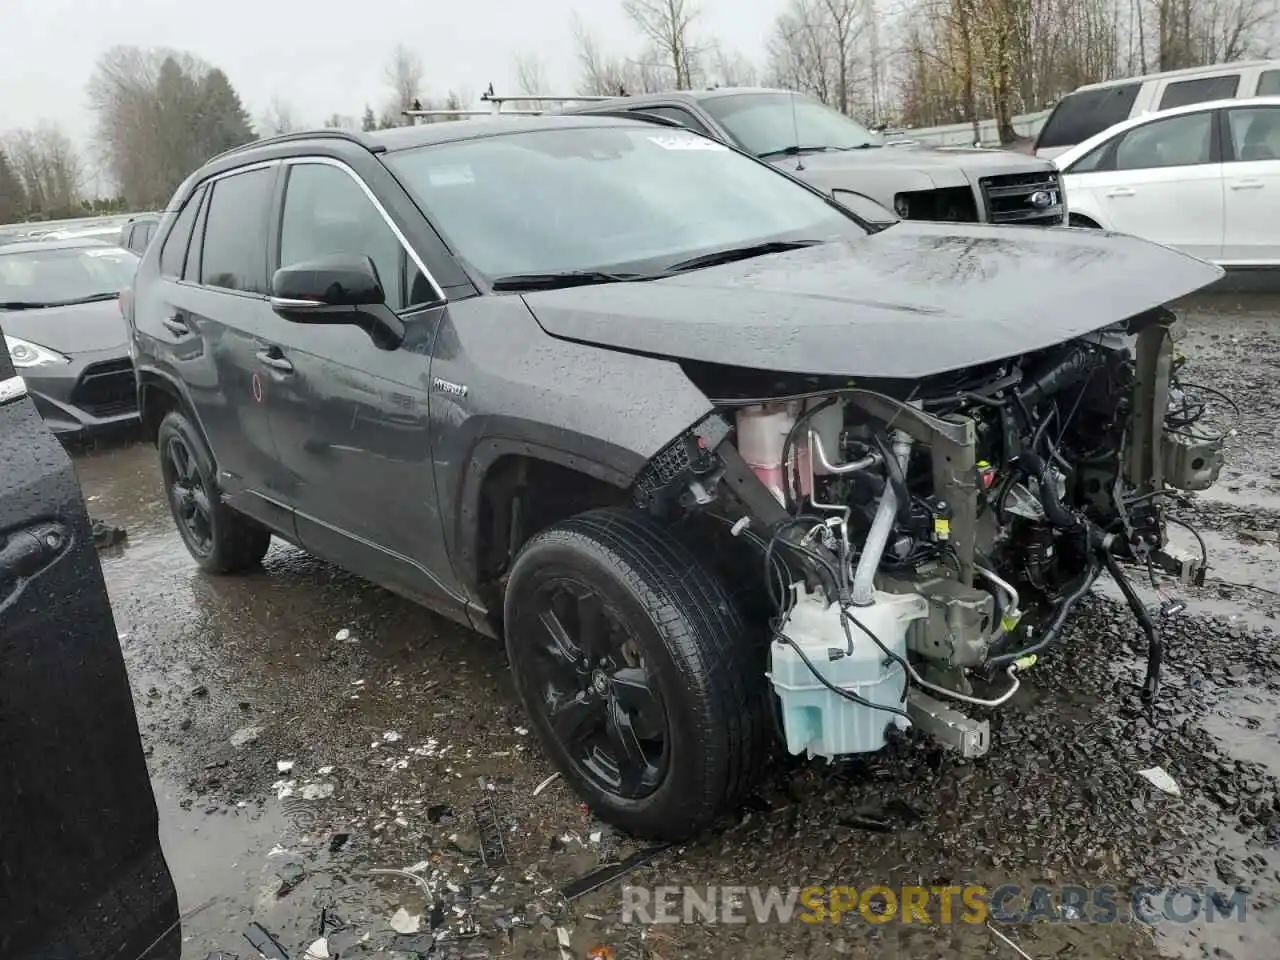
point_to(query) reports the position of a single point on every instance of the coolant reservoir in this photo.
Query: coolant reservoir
(762, 433)
(818, 721)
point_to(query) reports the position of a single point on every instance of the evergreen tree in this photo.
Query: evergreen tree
(368, 121)
(225, 122)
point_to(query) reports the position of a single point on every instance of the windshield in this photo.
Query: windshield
(621, 199)
(766, 123)
(60, 275)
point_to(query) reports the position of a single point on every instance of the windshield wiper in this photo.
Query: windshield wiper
(92, 298)
(796, 151)
(567, 278)
(34, 305)
(793, 151)
(739, 253)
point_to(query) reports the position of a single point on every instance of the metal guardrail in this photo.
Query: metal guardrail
(961, 134)
(15, 231)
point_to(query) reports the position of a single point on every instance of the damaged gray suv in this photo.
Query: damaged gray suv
(730, 470)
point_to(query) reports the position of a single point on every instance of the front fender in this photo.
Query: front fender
(503, 386)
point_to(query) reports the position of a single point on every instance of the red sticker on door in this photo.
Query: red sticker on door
(257, 388)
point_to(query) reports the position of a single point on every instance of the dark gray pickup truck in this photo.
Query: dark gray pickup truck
(805, 137)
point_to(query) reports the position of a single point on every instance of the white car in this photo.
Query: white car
(1203, 178)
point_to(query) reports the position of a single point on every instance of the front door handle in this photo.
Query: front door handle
(176, 325)
(1247, 185)
(273, 358)
(1120, 192)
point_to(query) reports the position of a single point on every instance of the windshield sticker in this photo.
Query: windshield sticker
(686, 141)
(455, 176)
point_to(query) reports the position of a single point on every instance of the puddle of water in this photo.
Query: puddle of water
(1244, 722)
(214, 857)
(1243, 496)
(1236, 561)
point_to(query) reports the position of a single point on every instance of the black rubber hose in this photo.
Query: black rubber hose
(1155, 645)
(1058, 515)
(893, 470)
(1059, 375)
(1065, 606)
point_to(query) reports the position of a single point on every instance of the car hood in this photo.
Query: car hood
(984, 162)
(81, 328)
(910, 301)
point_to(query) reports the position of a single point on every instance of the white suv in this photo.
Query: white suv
(1091, 109)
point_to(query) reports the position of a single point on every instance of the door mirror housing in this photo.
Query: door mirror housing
(865, 209)
(339, 289)
(344, 280)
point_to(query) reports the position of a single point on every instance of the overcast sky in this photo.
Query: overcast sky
(321, 56)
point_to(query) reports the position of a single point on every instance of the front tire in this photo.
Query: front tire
(634, 664)
(219, 539)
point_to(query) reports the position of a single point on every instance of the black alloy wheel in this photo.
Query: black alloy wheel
(638, 672)
(598, 695)
(188, 496)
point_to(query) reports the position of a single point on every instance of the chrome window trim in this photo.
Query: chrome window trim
(382, 211)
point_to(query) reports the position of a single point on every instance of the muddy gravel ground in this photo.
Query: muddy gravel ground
(305, 729)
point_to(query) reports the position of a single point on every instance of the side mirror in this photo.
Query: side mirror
(340, 281)
(864, 208)
(339, 289)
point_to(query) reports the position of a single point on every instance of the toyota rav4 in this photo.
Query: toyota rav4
(728, 468)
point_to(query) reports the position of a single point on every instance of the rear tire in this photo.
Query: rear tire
(219, 539)
(635, 666)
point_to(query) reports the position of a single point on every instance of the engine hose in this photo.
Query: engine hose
(893, 470)
(1058, 515)
(1059, 375)
(1065, 606)
(1155, 645)
(791, 503)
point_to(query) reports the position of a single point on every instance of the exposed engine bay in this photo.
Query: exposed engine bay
(920, 537)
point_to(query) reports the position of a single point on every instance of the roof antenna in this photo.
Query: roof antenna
(795, 127)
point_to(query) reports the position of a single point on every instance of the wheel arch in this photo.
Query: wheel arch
(158, 394)
(514, 486)
(1075, 219)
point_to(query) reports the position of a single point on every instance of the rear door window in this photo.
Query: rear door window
(1200, 90)
(1086, 113)
(1269, 83)
(1255, 133)
(234, 256)
(174, 252)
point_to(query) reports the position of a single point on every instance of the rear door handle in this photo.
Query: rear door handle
(176, 325)
(1247, 185)
(276, 360)
(1120, 192)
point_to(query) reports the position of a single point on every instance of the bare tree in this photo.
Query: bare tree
(668, 26)
(160, 114)
(278, 118)
(13, 195)
(46, 164)
(404, 76)
(602, 75)
(731, 68)
(531, 75)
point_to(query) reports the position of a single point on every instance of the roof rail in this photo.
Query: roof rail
(496, 103)
(328, 133)
(635, 114)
